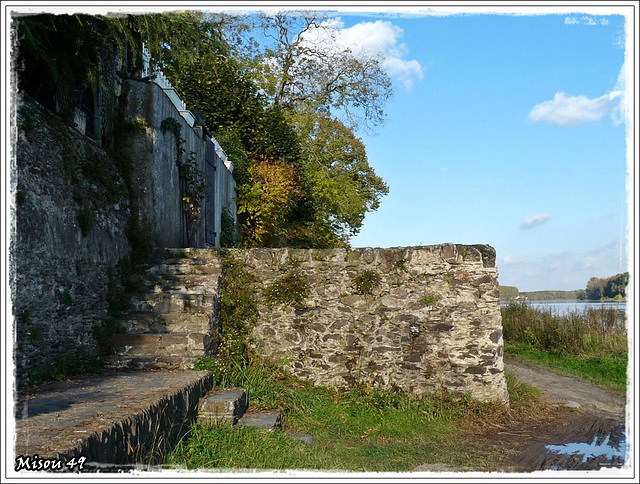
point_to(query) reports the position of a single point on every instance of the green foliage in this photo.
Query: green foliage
(238, 314)
(291, 289)
(553, 295)
(401, 262)
(228, 230)
(66, 299)
(28, 121)
(428, 299)
(508, 293)
(365, 282)
(265, 202)
(339, 183)
(140, 125)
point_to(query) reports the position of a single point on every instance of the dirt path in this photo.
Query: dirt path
(586, 431)
(567, 391)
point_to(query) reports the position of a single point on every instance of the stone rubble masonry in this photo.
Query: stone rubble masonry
(431, 319)
(71, 213)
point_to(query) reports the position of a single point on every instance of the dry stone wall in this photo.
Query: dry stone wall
(413, 318)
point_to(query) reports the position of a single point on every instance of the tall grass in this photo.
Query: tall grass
(360, 429)
(591, 343)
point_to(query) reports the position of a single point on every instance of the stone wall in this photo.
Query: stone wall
(154, 150)
(414, 318)
(71, 213)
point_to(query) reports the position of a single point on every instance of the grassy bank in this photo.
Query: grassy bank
(359, 430)
(589, 344)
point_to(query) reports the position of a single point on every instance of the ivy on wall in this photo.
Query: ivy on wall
(193, 185)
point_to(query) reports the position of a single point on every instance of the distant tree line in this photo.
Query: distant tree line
(613, 287)
(606, 288)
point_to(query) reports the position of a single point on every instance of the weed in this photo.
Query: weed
(401, 262)
(28, 121)
(21, 196)
(291, 289)
(238, 313)
(139, 126)
(591, 344)
(228, 230)
(428, 299)
(365, 282)
(65, 298)
(359, 429)
(36, 333)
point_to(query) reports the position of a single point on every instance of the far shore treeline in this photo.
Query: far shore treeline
(597, 288)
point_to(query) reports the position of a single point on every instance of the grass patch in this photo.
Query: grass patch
(356, 430)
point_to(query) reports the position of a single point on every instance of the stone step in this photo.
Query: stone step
(190, 253)
(269, 419)
(161, 344)
(227, 405)
(122, 362)
(181, 267)
(143, 322)
(171, 302)
(188, 283)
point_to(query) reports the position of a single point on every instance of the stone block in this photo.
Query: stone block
(227, 405)
(269, 420)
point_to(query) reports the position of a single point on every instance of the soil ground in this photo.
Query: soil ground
(578, 413)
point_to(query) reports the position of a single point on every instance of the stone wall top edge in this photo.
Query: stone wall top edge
(450, 252)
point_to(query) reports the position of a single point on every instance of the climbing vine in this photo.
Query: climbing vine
(191, 177)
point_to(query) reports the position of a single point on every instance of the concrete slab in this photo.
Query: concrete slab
(113, 417)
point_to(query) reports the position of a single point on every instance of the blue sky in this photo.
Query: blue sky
(506, 129)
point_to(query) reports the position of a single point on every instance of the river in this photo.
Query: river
(563, 307)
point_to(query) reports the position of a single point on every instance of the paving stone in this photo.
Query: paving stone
(269, 420)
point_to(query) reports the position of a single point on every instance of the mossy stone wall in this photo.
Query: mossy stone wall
(414, 318)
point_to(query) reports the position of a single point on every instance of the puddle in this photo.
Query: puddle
(607, 450)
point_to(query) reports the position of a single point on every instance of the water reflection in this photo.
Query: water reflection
(604, 450)
(591, 450)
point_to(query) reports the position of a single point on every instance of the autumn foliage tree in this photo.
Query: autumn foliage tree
(284, 106)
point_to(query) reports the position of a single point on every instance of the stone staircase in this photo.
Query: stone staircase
(171, 320)
(231, 406)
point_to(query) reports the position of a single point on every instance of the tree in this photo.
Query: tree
(265, 202)
(342, 185)
(599, 288)
(304, 64)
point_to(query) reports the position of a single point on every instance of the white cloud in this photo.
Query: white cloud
(508, 259)
(534, 221)
(588, 262)
(381, 39)
(566, 110)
